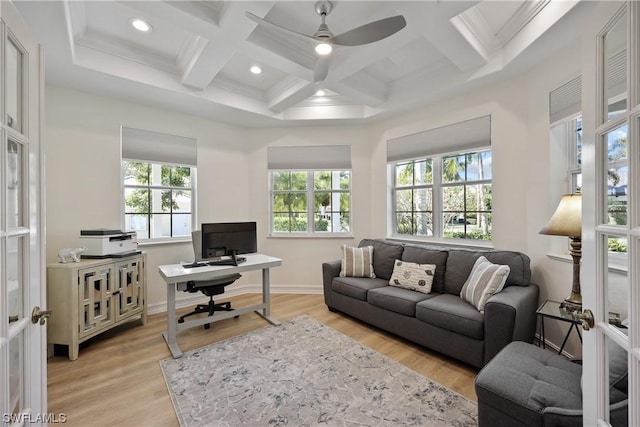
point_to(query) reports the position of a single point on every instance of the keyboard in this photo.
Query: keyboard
(227, 261)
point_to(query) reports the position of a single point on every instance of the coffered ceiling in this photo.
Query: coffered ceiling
(198, 54)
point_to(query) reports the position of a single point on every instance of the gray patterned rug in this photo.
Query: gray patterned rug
(303, 373)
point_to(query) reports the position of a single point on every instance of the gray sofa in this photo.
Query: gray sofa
(440, 320)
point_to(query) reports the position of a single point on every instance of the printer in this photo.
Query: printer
(105, 243)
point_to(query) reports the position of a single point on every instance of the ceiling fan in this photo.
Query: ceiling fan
(368, 33)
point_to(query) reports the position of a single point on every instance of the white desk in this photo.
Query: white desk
(174, 274)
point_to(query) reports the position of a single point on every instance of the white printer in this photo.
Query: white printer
(105, 243)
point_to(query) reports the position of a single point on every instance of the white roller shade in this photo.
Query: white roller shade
(324, 157)
(566, 101)
(455, 138)
(156, 147)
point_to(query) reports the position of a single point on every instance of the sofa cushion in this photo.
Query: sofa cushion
(424, 255)
(412, 276)
(484, 280)
(451, 313)
(356, 287)
(461, 261)
(396, 299)
(384, 256)
(357, 262)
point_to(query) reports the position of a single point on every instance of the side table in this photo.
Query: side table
(552, 309)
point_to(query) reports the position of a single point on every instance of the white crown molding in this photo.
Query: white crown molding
(125, 50)
(525, 13)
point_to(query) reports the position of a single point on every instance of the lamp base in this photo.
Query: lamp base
(572, 303)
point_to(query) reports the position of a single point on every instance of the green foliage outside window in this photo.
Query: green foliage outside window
(295, 193)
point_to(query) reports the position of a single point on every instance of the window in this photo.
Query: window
(311, 201)
(157, 199)
(440, 182)
(462, 209)
(158, 176)
(310, 190)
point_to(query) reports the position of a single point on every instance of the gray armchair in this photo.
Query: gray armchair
(525, 385)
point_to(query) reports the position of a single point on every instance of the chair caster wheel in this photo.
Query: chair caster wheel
(235, 317)
(180, 320)
(207, 326)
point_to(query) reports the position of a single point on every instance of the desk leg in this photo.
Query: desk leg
(170, 334)
(266, 299)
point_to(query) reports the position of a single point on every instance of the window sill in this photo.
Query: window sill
(614, 267)
(164, 241)
(471, 244)
(309, 236)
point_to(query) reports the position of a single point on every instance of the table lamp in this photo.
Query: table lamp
(567, 221)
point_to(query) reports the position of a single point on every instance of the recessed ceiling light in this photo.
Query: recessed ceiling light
(323, 48)
(320, 92)
(141, 25)
(256, 70)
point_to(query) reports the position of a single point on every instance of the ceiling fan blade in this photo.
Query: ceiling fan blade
(276, 27)
(371, 32)
(321, 69)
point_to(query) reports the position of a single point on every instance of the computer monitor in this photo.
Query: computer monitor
(226, 238)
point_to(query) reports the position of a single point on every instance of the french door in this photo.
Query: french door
(611, 214)
(23, 385)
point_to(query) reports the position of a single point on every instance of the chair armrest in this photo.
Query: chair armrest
(330, 270)
(509, 315)
(562, 417)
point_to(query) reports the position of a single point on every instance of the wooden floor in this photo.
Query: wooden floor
(117, 380)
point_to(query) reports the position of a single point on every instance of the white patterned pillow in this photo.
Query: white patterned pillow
(416, 277)
(357, 262)
(486, 279)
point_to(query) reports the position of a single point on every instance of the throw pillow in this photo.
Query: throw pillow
(357, 262)
(416, 277)
(486, 279)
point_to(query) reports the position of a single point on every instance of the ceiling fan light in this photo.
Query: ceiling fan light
(323, 48)
(255, 69)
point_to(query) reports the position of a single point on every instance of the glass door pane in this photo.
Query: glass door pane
(15, 279)
(615, 69)
(614, 154)
(15, 161)
(13, 85)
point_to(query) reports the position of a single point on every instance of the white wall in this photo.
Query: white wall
(83, 185)
(83, 167)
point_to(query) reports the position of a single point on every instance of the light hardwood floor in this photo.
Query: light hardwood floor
(117, 380)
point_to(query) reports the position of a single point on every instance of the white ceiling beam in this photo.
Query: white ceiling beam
(438, 24)
(207, 62)
(290, 92)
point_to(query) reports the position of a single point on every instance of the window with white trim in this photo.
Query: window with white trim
(158, 176)
(312, 201)
(437, 192)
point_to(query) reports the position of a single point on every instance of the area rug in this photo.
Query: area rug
(303, 373)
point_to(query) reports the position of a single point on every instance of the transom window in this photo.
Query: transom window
(444, 196)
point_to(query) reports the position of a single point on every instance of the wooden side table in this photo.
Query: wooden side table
(552, 309)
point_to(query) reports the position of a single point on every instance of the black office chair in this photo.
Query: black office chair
(210, 288)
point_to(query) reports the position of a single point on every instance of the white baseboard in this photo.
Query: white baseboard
(236, 290)
(551, 346)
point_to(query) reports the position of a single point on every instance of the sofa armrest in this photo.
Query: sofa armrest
(509, 315)
(330, 270)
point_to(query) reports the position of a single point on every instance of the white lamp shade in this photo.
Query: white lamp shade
(567, 219)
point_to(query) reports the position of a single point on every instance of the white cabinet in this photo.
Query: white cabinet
(92, 296)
